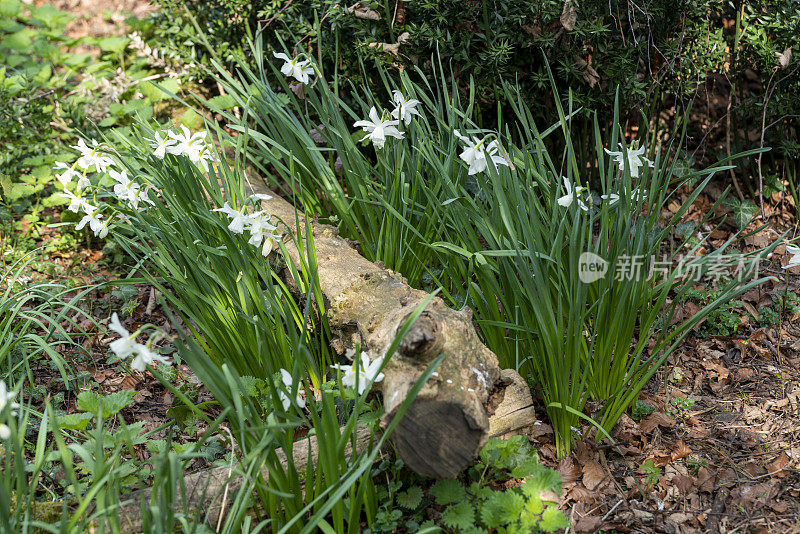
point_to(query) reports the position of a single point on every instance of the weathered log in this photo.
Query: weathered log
(468, 399)
(515, 409)
(212, 491)
(447, 424)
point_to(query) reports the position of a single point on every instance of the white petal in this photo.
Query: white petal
(286, 377)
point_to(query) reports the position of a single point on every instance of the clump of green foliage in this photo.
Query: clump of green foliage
(478, 501)
(657, 55)
(49, 91)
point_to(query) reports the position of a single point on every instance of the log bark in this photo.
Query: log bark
(213, 490)
(448, 422)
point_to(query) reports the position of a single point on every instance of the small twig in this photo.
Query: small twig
(273, 17)
(767, 94)
(151, 301)
(610, 511)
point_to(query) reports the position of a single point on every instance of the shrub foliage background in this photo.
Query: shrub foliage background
(657, 52)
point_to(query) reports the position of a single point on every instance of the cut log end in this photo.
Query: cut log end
(424, 438)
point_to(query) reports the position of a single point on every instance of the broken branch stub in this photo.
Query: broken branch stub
(448, 422)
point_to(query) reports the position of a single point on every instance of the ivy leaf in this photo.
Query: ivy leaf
(502, 508)
(459, 516)
(448, 491)
(743, 212)
(410, 498)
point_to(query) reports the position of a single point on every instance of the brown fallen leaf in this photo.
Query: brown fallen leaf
(590, 75)
(684, 483)
(777, 468)
(588, 523)
(705, 480)
(579, 493)
(141, 396)
(593, 474)
(364, 12)
(569, 470)
(569, 16)
(749, 494)
(784, 57)
(655, 419)
(681, 450)
(779, 507)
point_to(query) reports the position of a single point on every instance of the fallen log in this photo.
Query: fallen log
(207, 490)
(466, 401)
(212, 491)
(448, 423)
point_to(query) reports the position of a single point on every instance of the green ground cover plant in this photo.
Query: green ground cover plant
(49, 90)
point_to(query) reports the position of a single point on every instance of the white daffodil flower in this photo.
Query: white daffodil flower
(186, 143)
(368, 373)
(65, 178)
(299, 70)
(405, 108)
(573, 195)
(75, 202)
(478, 153)
(378, 129)
(92, 156)
(612, 198)
(262, 231)
(286, 378)
(145, 357)
(240, 221)
(141, 196)
(638, 195)
(203, 157)
(5, 401)
(83, 183)
(634, 157)
(127, 345)
(794, 261)
(160, 145)
(97, 226)
(125, 189)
